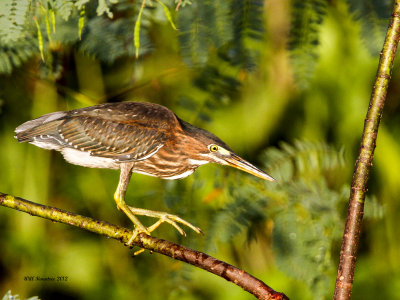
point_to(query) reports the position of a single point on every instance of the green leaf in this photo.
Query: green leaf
(40, 38)
(81, 22)
(136, 35)
(47, 21)
(103, 8)
(167, 14)
(53, 19)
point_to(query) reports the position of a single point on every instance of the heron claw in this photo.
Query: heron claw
(164, 218)
(136, 232)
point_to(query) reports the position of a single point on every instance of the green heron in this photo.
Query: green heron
(138, 137)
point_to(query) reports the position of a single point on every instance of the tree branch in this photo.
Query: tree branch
(348, 252)
(175, 251)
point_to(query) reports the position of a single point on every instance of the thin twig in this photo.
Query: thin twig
(195, 258)
(348, 253)
(179, 4)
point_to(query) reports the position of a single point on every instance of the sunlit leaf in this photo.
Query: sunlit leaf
(167, 14)
(40, 38)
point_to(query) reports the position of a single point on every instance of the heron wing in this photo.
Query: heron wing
(121, 141)
(125, 131)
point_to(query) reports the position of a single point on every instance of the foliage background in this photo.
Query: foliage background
(285, 83)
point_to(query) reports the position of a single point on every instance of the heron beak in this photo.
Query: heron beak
(239, 163)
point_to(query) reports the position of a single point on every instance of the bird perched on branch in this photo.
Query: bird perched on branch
(137, 137)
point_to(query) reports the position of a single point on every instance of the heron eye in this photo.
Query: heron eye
(213, 148)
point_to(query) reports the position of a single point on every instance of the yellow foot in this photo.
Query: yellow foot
(134, 235)
(139, 251)
(163, 217)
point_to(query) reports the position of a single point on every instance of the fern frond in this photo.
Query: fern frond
(303, 234)
(240, 216)
(108, 40)
(244, 215)
(9, 296)
(212, 24)
(64, 8)
(223, 40)
(302, 211)
(374, 17)
(248, 31)
(12, 19)
(204, 25)
(193, 36)
(12, 55)
(103, 8)
(302, 159)
(307, 17)
(80, 3)
(305, 212)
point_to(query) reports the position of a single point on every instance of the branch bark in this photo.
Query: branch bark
(239, 277)
(350, 241)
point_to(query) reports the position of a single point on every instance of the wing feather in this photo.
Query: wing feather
(125, 131)
(122, 142)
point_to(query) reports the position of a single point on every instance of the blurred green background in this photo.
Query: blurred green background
(285, 83)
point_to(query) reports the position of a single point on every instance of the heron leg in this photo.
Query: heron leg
(132, 212)
(119, 197)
